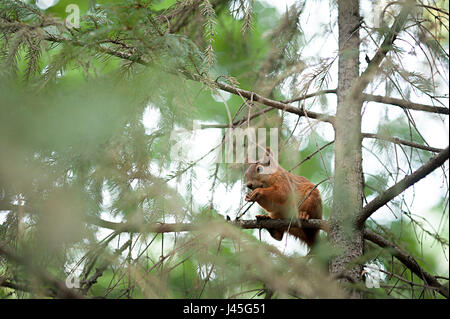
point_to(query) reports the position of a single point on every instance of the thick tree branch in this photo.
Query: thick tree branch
(402, 185)
(402, 142)
(405, 104)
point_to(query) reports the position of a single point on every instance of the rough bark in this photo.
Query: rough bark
(347, 192)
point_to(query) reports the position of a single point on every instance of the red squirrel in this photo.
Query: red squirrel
(283, 195)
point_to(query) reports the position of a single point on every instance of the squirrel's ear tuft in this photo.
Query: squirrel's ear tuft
(267, 157)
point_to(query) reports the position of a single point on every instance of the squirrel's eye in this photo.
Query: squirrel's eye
(259, 169)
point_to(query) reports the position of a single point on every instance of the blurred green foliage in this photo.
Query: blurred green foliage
(73, 144)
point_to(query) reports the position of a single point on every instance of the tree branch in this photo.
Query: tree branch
(369, 73)
(275, 104)
(406, 260)
(405, 104)
(402, 142)
(402, 185)
(182, 227)
(310, 95)
(125, 55)
(307, 158)
(380, 99)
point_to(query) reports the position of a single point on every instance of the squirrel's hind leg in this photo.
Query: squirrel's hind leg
(276, 233)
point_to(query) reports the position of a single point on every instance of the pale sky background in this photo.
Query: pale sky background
(428, 192)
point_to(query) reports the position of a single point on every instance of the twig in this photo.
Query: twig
(238, 122)
(310, 155)
(99, 271)
(310, 95)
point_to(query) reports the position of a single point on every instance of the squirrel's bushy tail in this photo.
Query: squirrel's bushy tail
(307, 235)
(310, 236)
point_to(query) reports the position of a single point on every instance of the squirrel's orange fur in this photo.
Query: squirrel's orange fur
(283, 195)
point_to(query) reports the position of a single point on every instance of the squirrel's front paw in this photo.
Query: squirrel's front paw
(261, 217)
(303, 215)
(253, 196)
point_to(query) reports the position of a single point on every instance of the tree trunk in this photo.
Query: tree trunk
(345, 236)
